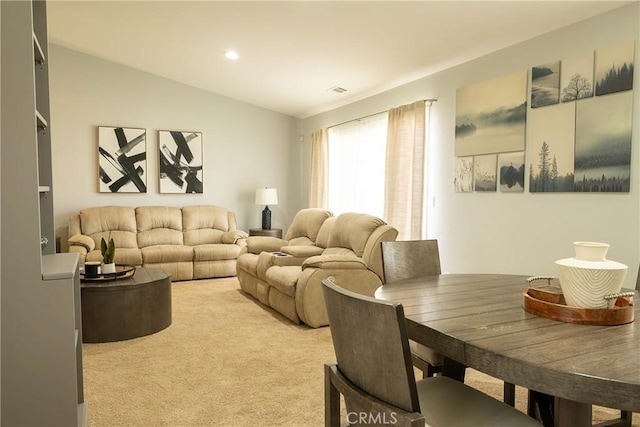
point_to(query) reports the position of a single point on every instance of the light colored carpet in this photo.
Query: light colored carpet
(226, 360)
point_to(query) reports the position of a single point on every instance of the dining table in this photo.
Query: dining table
(478, 321)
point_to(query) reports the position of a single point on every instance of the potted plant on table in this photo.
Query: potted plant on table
(108, 251)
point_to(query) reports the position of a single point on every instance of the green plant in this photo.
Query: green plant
(108, 250)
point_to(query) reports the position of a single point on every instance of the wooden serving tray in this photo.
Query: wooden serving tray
(552, 305)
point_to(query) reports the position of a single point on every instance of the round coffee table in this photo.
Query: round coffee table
(121, 309)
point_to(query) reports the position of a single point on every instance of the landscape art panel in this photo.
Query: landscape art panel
(490, 116)
(484, 170)
(576, 78)
(180, 162)
(545, 85)
(603, 143)
(463, 176)
(550, 148)
(122, 160)
(614, 68)
(511, 168)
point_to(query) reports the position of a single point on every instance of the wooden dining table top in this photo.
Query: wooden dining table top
(478, 321)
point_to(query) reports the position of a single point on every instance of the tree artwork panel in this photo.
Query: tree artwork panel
(511, 168)
(550, 148)
(490, 116)
(122, 160)
(463, 178)
(603, 143)
(484, 169)
(180, 162)
(614, 68)
(545, 85)
(576, 79)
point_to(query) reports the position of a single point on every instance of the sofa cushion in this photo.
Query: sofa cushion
(204, 224)
(284, 279)
(159, 225)
(167, 254)
(352, 230)
(116, 222)
(215, 252)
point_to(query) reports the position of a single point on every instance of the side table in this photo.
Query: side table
(273, 232)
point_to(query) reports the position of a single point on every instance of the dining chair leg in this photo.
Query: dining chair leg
(541, 406)
(509, 394)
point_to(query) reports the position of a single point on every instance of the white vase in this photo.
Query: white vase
(108, 268)
(589, 276)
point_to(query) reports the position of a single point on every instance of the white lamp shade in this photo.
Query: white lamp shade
(266, 196)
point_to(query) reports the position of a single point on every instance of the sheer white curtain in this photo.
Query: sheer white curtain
(404, 177)
(356, 165)
(319, 180)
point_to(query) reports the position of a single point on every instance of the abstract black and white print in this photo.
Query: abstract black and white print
(122, 160)
(180, 162)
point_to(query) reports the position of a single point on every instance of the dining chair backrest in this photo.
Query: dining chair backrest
(371, 346)
(410, 258)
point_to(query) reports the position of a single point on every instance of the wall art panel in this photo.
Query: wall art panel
(463, 178)
(484, 170)
(614, 68)
(545, 85)
(576, 77)
(603, 143)
(511, 169)
(490, 116)
(122, 160)
(550, 148)
(180, 156)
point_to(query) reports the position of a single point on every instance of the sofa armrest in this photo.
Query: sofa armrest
(335, 262)
(80, 240)
(258, 244)
(234, 237)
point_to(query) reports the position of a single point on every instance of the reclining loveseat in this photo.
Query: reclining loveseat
(289, 280)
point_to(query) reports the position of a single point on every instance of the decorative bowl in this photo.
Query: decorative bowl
(588, 277)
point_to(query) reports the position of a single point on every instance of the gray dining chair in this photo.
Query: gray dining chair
(375, 376)
(408, 259)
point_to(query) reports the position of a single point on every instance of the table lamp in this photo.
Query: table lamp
(266, 196)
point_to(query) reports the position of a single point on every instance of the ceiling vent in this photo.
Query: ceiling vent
(337, 89)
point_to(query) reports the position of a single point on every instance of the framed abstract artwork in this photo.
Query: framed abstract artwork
(180, 155)
(463, 177)
(614, 68)
(122, 159)
(511, 168)
(576, 78)
(484, 172)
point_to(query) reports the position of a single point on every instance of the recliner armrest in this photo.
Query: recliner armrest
(83, 241)
(258, 244)
(302, 251)
(336, 262)
(234, 236)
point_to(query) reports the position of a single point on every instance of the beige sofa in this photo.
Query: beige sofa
(347, 247)
(193, 242)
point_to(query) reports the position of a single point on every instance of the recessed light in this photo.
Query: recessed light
(231, 54)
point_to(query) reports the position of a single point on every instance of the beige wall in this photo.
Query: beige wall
(516, 233)
(245, 147)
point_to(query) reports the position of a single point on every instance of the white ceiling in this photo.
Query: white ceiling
(292, 52)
